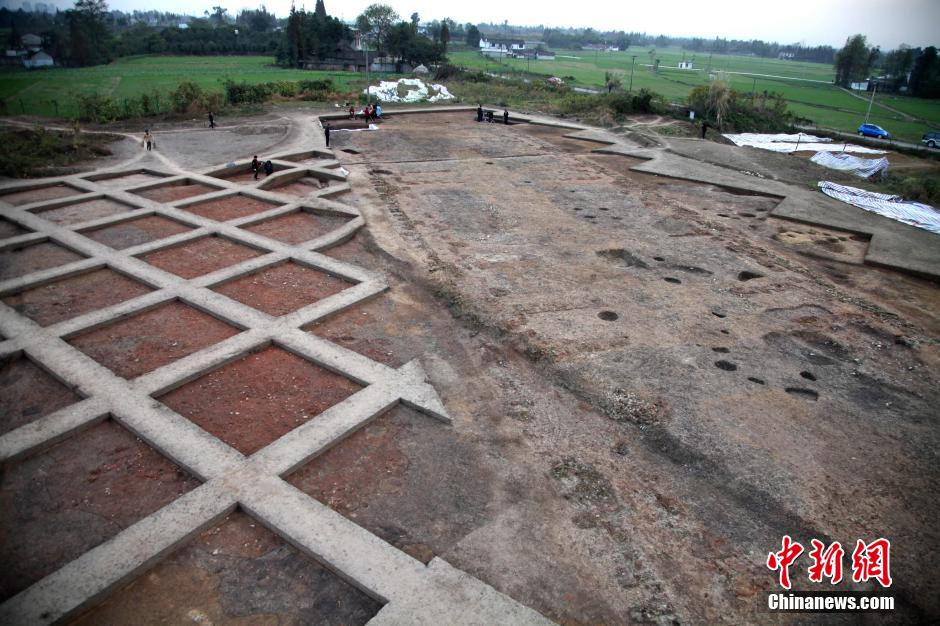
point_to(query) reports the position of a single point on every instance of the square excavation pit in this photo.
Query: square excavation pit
(74, 296)
(176, 191)
(15, 262)
(376, 329)
(255, 400)
(301, 187)
(406, 479)
(298, 227)
(57, 505)
(128, 180)
(152, 339)
(10, 229)
(236, 572)
(28, 392)
(51, 192)
(200, 256)
(84, 211)
(230, 207)
(283, 288)
(137, 231)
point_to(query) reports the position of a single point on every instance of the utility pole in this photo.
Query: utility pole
(632, 67)
(874, 88)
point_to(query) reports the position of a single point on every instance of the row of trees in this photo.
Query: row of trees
(914, 68)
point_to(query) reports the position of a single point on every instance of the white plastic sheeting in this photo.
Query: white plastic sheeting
(799, 141)
(863, 168)
(387, 91)
(913, 213)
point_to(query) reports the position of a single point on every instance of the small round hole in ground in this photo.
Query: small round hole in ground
(577, 208)
(723, 215)
(721, 350)
(590, 217)
(725, 332)
(616, 217)
(719, 313)
(756, 380)
(746, 214)
(489, 162)
(802, 392)
(808, 375)
(727, 366)
(608, 316)
(658, 258)
(670, 279)
(748, 275)
(603, 208)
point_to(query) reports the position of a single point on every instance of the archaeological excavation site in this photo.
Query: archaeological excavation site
(449, 372)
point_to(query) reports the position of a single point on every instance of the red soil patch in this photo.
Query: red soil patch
(283, 288)
(85, 211)
(230, 207)
(130, 180)
(201, 256)
(364, 329)
(76, 495)
(136, 232)
(237, 572)
(74, 296)
(9, 229)
(389, 475)
(27, 393)
(152, 339)
(301, 187)
(172, 193)
(253, 401)
(53, 192)
(298, 227)
(41, 256)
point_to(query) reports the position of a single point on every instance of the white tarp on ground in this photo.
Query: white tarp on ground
(387, 91)
(913, 213)
(792, 143)
(863, 168)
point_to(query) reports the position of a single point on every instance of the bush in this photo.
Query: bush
(244, 93)
(97, 108)
(316, 89)
(187, 97)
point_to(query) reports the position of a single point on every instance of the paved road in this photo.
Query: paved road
(880, 143)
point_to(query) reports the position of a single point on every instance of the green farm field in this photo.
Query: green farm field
(52, 92)
(807, 87)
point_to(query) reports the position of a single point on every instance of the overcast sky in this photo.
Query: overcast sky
(886, 23)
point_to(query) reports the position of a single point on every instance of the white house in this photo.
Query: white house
(500, 46)
(31, 42)
(39, 59)
(685, 65)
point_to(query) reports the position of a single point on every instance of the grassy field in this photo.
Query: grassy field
(47, 92)
(806, 86)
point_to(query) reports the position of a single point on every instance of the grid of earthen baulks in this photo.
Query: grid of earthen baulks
(54, 211)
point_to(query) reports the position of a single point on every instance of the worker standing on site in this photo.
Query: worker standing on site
(148, 140)
(480, 113)
(704, 128)
(255, 166)
(506, 117)
(211, 120)
(326, 133)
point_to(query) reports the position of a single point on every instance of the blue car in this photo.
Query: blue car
(872, 130)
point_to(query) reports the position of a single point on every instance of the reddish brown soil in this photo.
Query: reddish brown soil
(9, 229)
(298, 227)
(283, 288)
(128, 181)
(201, 256)
(136, 232)
(172, 193)
(363, 329)
(244, 175)
(240, 573)
(74, 296)
(384, 478)
(301, 188)
(76, 495)
(255, 400)
(53, 192)
(27, 393)
(230, 207)
(40, 256)
(84, 211)
(152, 339)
